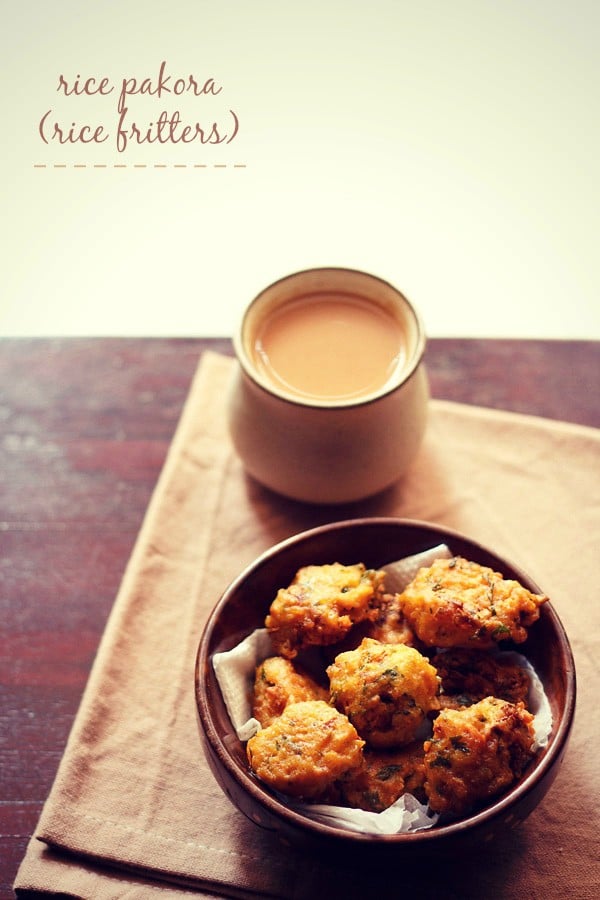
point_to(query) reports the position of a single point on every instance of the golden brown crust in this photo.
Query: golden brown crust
(383, 688)
(321, 605)
(388, 625)
(470, 675)
(278, 682)
(385, 624)
(475, 753)
(305, 750)
(386, 690)
(384, 777)
(458, 603)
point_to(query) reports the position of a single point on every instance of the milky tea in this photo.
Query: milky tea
(329, 402)
(329, 346)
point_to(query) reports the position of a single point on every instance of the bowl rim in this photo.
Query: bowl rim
(287, 815)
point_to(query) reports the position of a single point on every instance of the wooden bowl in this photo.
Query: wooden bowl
(375, 542)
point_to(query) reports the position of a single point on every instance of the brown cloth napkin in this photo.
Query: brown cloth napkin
(134, 811)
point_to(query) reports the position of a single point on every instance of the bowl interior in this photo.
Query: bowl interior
(374, 542)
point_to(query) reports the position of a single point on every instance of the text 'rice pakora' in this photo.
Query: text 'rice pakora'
(304, 751)
(458, 603)
(321, 605)
(386, 690)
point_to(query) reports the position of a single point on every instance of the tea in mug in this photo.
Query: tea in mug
(329, 346)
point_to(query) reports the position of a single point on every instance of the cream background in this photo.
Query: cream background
(450, 147)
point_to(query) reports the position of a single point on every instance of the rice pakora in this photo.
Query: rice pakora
(386, 690)
(278, 682)
(475, 753)
(321, 605)
(367, 741)
(468, 676)
(304, 751)
(458, 603)
(384, 776)
(388, 625)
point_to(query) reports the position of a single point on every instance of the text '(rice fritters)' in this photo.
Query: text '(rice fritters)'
(304, 751)
(386, 690)
(458, 603)
(475, 753)
(321, 605)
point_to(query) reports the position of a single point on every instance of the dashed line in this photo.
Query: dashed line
(140, 165)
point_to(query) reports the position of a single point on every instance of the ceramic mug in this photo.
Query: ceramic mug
(329, 400)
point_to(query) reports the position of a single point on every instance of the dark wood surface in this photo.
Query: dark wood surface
(85, 425)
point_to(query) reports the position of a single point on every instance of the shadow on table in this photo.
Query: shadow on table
(422, 493)
(487, 872)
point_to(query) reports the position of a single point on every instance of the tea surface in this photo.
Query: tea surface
(329, 347)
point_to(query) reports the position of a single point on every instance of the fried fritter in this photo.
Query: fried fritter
(470, 675)
(386, 625)
(386, 690)
(304, 751)
(475, 753)
(389, 625)
(457, 603)
(321, 605)
(384, 776)
(278, 682)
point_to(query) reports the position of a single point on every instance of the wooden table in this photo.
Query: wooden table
(84, 428)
